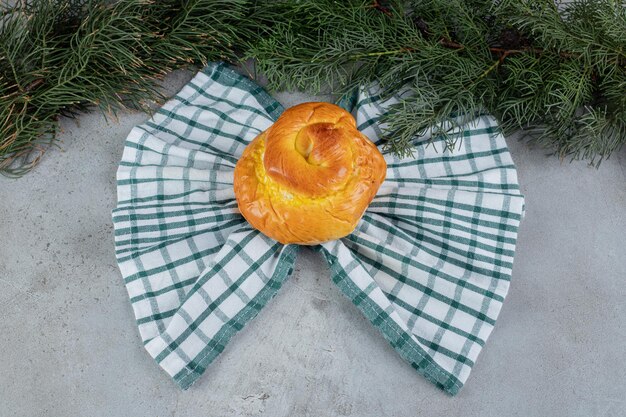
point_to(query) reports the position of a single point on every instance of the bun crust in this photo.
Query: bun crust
(309, 177)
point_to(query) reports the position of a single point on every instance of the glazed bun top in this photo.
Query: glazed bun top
(309, 177)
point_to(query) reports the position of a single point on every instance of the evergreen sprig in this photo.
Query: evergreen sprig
(555, 71)
(58, 57)
(558, 72)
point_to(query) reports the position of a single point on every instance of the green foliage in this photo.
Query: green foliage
(59, 56)
(557, 72)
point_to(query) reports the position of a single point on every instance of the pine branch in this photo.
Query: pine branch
(58, 57)
(556, 72)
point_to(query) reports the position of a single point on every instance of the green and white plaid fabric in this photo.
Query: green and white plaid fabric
(429, 264)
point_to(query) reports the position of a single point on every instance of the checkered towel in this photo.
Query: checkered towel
(429, 263)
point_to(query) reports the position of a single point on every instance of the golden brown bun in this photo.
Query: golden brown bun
(309, 177)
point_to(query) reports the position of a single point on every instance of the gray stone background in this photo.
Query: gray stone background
(69, 346)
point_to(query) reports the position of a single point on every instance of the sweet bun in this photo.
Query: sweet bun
(309, 177)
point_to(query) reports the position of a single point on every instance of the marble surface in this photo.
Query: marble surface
(70, 347)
